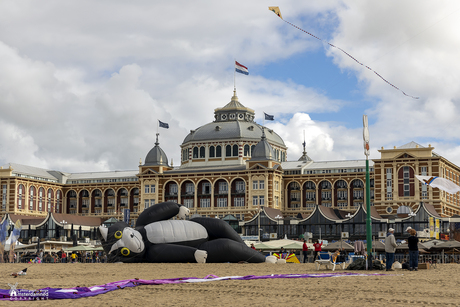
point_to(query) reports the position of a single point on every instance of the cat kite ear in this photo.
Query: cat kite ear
(104, 231)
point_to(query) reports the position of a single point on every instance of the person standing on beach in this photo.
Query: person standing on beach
(305, 251)
(412, 242)
(317, 247)
(390, 248)
(63, 257)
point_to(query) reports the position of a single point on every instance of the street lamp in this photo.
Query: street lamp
(278, 218)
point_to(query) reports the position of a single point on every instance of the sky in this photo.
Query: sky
(84, 83)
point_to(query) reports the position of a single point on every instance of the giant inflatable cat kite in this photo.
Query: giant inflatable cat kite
(157, 238)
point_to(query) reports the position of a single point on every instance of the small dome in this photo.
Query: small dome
(304, 156)
(263, 150)
(156, 156)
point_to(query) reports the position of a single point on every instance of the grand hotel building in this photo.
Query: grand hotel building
(230, 167)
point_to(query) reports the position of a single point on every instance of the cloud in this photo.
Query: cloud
(82, 84)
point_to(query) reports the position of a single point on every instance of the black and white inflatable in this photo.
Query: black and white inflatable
(157, 238)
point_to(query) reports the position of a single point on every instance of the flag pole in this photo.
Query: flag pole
(234, 76)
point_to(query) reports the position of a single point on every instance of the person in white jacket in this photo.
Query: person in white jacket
(390, 248)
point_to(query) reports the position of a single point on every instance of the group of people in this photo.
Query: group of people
(61, 257)
(390, 249)
(317, 248)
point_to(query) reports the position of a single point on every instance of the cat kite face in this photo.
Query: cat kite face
(122, 243)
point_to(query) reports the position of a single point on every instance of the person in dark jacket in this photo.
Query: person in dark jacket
(412, 242)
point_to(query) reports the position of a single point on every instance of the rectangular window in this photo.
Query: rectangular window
(223, 188)
(147, 189)
(255, 185)
(406, 181)
(98, 202)
(277, 201)
(389, 184)
(152, 188)
(189, 188)
(152, 202)
(173, 189)
(423, 170)
(124, 201)
(206, 188)
(205, 203)
(4, 197)
(221, 202)
(255, 201)
(277, 185)
(111, 201)
(310, 196)
(239, 201)
(239, 186)
(85, 203)
(326, 195)
(73, 203)
(261, 200)
(341, 194)
(261, 184)
(358, 194)
(146, 203)
(188, 203)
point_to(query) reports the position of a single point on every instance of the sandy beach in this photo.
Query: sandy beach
(400, 288)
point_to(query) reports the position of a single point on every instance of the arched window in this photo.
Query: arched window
(195, 152)
(246, 150)
(252, 149)
(41, 195)
(212, 152)
(31, 198)
(283, 156)
(228, 151)
(49, 200)
(20, 196)
(218, 151)
(202, 152)
(235, 150)
(58, 202)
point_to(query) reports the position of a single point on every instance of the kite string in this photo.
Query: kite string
(350, 56)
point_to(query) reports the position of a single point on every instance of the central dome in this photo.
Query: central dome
(229, 139)
(233, 122)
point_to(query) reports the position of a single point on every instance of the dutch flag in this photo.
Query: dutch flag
(241, 69)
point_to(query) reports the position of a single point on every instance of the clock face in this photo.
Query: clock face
(232, 116)
(224, 116)
(240, 116)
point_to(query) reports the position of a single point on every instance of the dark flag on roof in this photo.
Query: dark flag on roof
(163, 125)
(269, 117)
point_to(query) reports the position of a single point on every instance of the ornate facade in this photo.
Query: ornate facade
(233, 166)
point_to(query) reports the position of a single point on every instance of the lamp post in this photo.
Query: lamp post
(278, 218)
(258, 223)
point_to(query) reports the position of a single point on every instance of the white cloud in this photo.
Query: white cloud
(82, 84)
